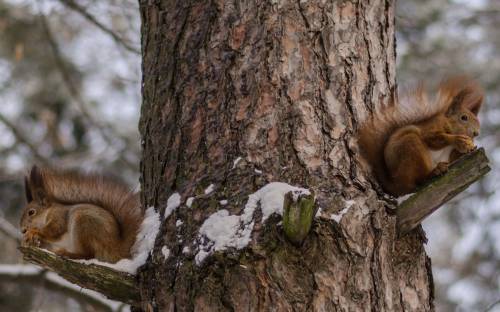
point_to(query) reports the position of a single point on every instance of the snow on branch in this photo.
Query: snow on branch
(115, 285)
(30, 272)
(462, 173)
(114, 280)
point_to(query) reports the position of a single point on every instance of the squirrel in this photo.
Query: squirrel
(80, 216)
(413, 139)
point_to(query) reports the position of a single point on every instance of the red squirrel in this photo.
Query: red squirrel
(80, 216)
(413, 139)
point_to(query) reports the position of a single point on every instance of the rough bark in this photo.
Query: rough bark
(284, 85)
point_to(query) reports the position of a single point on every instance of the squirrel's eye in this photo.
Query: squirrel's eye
(31, 212)
(464, 117)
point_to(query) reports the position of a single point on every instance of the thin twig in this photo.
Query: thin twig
(75, 94)
(8, 229)
(33, 273)
(81, 10)
(491, 306)
(23, 139)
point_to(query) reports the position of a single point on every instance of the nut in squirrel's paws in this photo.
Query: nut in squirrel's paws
(31, 238)
(464, 144)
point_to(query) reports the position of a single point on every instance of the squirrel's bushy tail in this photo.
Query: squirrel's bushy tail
(411, 107)
(73, 187)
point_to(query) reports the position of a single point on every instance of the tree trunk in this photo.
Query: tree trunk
(283, 85)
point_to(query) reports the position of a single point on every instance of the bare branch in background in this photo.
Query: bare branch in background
(81, 10)
(8, 229)
(75, 94)
(32, 273)
(23, 139)
(491, 306)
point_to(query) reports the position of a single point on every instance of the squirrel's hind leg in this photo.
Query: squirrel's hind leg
(97, 233)
(407, 160)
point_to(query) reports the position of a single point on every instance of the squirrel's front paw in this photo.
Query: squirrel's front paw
(31, 238)
(464, 144)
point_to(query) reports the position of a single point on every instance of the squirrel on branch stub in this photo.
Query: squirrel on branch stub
(80, 216)
(413, 138)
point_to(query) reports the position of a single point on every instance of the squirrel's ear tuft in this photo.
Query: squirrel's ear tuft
(474, 102)
(27, 190)
(464, 93)
(37, 188)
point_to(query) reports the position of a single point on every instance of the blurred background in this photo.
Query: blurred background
(70, 95)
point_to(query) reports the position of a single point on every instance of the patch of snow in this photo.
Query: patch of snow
(235, 162)
(209, 189)
(185, 250)
(178, 223)
(222, 230)
(223, 202)
(338, 216)
(257, 171)
(173, 202)
(165, 251)
(404, 197)
(200, 256)
(189, 202)
(271, 198)
(140, 250)
(318, 213)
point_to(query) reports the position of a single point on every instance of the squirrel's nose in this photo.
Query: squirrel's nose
(23, 231)
(475, 133)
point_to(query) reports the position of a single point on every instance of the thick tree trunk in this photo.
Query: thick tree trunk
(284, 85)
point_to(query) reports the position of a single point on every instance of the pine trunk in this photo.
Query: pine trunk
(284, 85)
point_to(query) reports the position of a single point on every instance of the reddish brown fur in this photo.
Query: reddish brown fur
(101, 215)
(397, 141)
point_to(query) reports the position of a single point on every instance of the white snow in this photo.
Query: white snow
(185, 250)
(189, 201)
(338, 216)
(165, 251)
(235, 162)
(271, 198)
(173, 202)
(223, 202)
(222, 230)
(404, 197)
(318, 213)
(200, 256)
(144, 244)
(257, 171)
(209, 189)
(178, 223)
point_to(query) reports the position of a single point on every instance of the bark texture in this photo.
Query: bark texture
(283, 85)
